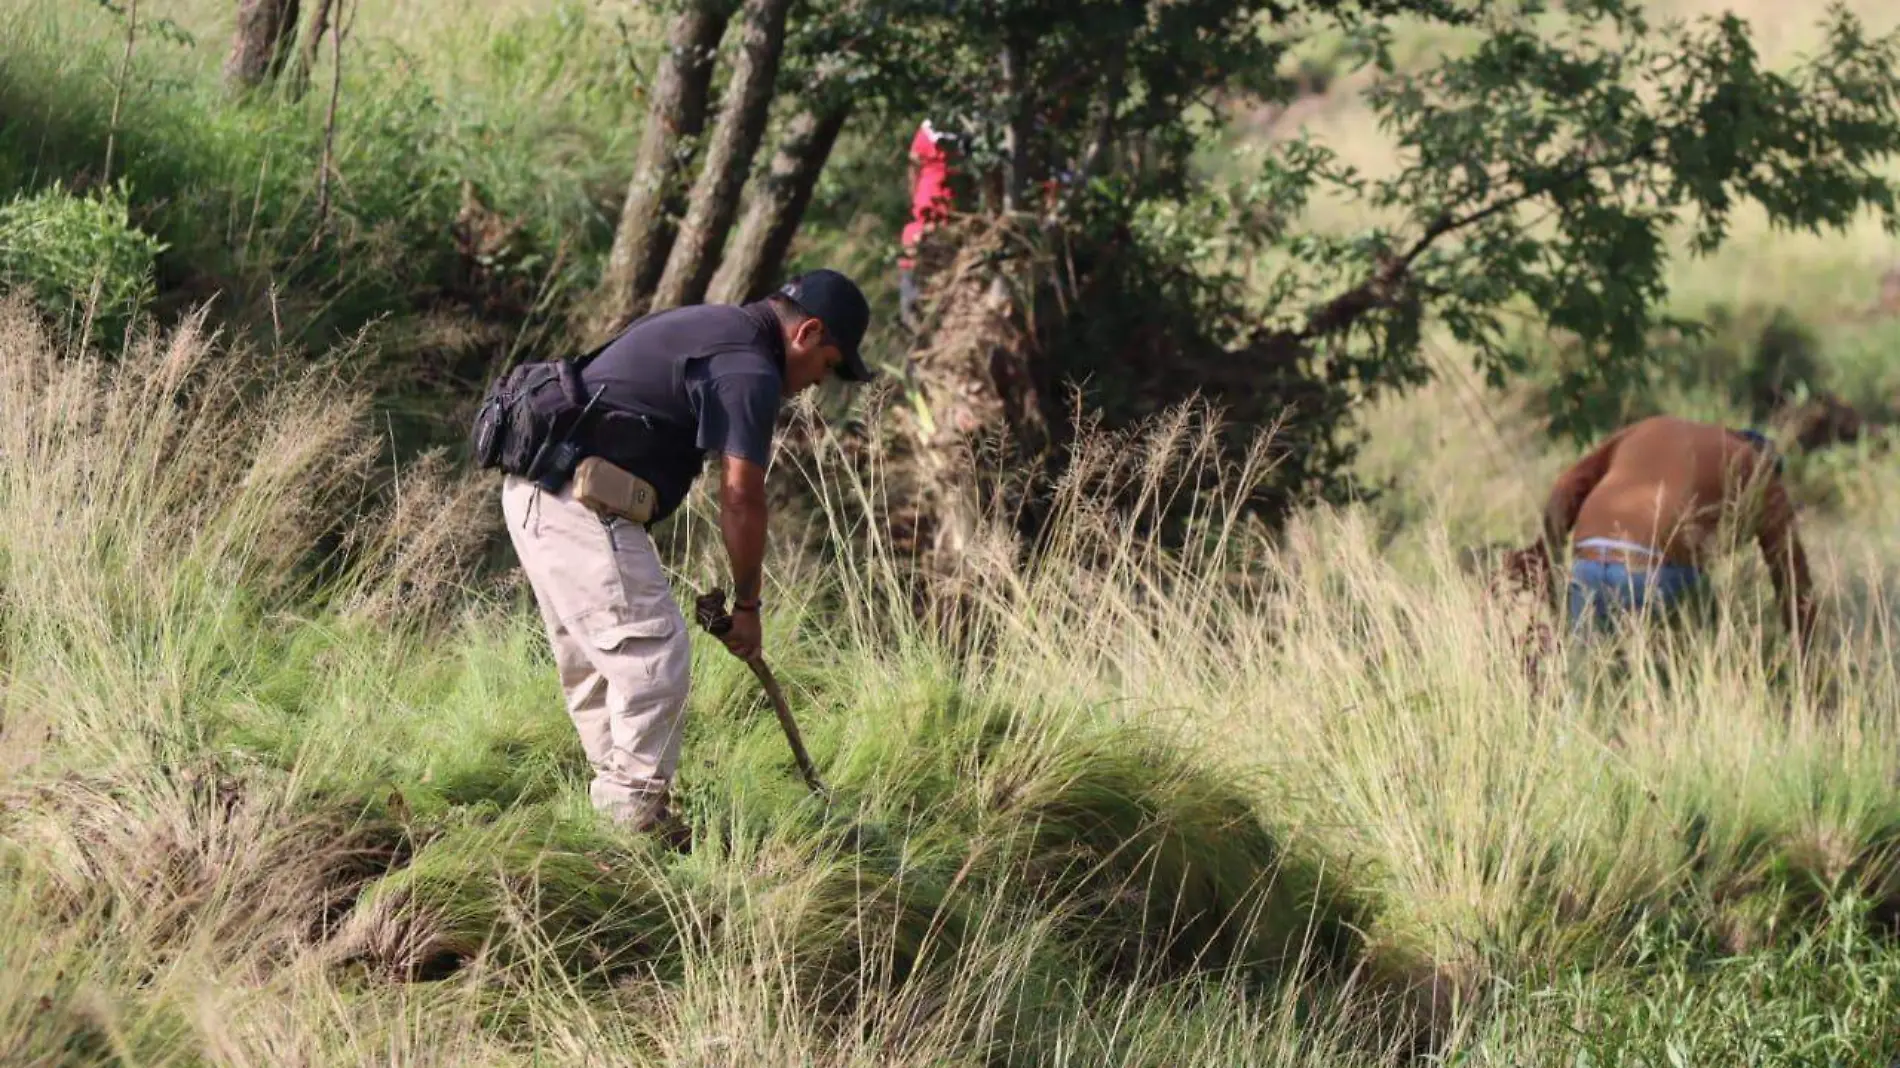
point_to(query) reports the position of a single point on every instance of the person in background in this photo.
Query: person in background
(930, 199)
(1641, 514)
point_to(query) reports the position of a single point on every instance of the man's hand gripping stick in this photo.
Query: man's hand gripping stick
(710, 610)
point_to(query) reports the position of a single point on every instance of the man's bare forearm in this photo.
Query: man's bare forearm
(1794, 584)
(743, 527)
(742, 522)
(1560, 509)
(1556, 526)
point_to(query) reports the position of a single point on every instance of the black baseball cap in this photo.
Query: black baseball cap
(837, 302)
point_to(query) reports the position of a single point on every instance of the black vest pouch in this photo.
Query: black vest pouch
(526, 421)
(644, 447)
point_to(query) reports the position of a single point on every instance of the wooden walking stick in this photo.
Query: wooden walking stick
(710, 610)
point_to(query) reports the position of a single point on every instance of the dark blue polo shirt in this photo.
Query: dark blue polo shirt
(710, 374)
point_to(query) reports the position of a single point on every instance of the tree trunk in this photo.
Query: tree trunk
(676, 114)
(1114, 87)
(1016, 133)
(1114, 84)
(266, 29)
(778, 204)
(307, 55)
(728, 159)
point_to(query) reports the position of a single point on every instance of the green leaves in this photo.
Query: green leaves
(1548, 173)
(81, 257)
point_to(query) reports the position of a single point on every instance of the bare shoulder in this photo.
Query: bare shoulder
(1650, 428)
(1674, 427)
(1689, 436)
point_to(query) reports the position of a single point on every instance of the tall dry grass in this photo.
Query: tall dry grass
(1501, 822)
(1140, 804)
(236, 783)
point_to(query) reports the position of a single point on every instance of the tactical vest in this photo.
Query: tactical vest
(537, 422)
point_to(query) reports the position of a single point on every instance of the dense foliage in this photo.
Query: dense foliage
(1545, 174)
(80, 256)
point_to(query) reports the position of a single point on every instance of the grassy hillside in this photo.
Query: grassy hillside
(1324, 820)
(456, 123)
(283, 781)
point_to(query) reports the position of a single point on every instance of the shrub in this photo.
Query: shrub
(80, 256)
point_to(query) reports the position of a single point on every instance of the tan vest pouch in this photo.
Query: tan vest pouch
(614, 490)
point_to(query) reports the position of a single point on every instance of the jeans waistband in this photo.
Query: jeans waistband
(1619, 545)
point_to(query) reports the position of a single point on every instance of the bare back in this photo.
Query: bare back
(1672, 485)
(1669, 483)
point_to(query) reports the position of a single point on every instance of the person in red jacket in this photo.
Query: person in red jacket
(1641, 513)
(930, 200)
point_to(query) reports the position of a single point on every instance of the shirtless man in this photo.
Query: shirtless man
(1643, 512)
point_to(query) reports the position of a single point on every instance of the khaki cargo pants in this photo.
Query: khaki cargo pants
(620, 642)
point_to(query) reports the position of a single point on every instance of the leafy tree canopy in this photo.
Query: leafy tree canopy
(1546, 169)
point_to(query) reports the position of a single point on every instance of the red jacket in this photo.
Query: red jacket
(930, 195)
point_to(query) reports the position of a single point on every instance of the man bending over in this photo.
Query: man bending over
(1643, 510)
(711, 378)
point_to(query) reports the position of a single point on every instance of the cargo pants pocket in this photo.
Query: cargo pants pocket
(646, 660)
(641, 640)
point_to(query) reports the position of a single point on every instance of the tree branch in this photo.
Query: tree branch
(1445, 224)
(779, 199)
(694, 257)
(312, 44)
(118, 90)
(327, 162)
(1016, 133)
(1388, 280)
(1114, 87)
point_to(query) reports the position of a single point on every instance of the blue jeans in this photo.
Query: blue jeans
(1599, 589)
